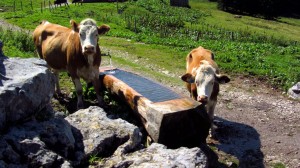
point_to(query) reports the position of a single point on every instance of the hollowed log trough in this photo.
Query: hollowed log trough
(169, 118)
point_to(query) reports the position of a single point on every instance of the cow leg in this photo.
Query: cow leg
(79, 91)
(211, 110)
(97, 87)
(57, 87)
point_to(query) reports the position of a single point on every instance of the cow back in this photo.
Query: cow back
(60, 47)
(198, 56)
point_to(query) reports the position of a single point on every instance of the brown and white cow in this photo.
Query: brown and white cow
(202, 78)
(74, 50)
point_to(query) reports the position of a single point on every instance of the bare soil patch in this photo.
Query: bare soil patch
(258, 125)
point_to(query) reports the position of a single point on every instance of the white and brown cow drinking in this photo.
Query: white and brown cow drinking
(202, 78)
(74, 50)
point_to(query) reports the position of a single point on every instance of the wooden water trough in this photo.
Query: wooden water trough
(169, 118)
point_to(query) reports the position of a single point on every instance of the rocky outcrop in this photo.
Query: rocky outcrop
(98, 135)
(26, 87)
(71, 141)
(157, 155)
(34, 135)
(294, 92)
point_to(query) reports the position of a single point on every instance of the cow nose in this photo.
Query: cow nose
(89, 48)
(202, 99)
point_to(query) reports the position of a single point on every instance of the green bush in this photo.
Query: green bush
(17, 43)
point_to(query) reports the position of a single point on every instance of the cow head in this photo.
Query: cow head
(88, 33)
(204, 77)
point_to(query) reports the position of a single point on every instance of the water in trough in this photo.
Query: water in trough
(153, 91)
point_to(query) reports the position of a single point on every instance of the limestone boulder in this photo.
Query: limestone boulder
(99, 135)
(294, 92)
(38, 144)
(157, 155)
(26, 87)
(67, 142)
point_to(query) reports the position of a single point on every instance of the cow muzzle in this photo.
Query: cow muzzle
(202, 99)
(89, 49)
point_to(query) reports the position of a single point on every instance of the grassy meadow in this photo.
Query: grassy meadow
(160, 36)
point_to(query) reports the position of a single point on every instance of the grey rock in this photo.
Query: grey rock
(26, 87)
(66, 164)
(99, 135)
(2, 164)
(38, 144)
(59, 142)
(294, 92)
(157, 155)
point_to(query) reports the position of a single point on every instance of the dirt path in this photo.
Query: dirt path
(258, 125)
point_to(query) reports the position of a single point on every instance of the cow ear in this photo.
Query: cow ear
(103, 29)
(190, 58)
(74, 26)
(212, 56)
(189, 78)
(222, 78)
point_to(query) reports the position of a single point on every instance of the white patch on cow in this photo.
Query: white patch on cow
(46, 22)
(204, 62)
(40, 40)
(88, 34)
(205, 78)
(194, 70)
(78, 87)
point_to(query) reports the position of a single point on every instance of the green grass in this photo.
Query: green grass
(286, 28)
(247, 46)
(278, 165)
(17, 44)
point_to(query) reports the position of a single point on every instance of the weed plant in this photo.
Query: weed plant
(17, 43)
